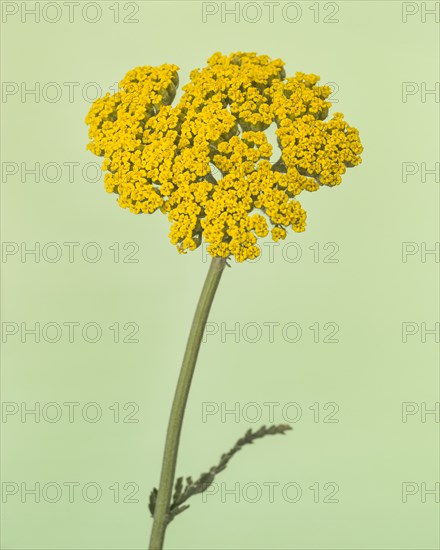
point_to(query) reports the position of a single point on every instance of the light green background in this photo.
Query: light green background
(369, 293)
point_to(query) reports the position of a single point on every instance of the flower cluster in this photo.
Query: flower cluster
(159, 156)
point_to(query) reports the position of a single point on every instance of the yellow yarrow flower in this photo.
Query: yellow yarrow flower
(160, 157)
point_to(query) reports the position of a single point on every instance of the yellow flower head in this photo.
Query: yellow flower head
(161, 157)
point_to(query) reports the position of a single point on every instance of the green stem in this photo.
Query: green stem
(180, 398)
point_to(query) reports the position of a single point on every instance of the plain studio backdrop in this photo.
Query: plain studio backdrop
(333, 330)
